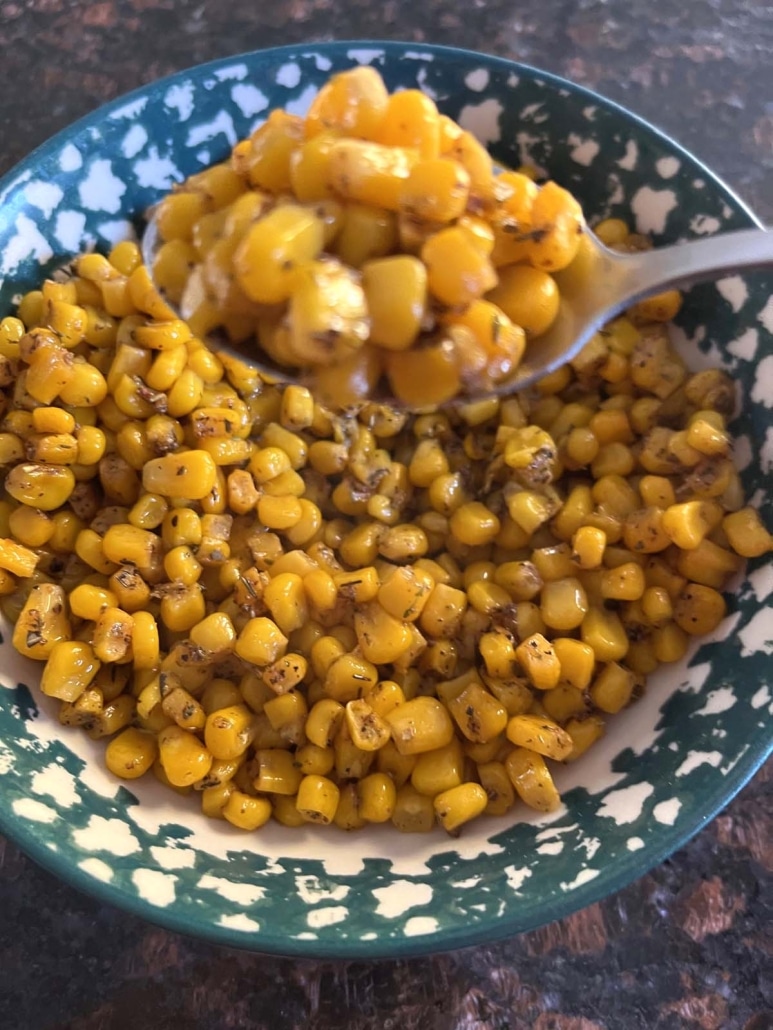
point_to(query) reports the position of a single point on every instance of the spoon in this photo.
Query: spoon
(599, 285)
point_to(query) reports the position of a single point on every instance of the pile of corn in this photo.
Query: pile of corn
(371, 242)
(358, 619)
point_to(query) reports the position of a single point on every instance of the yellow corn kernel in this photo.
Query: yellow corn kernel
(528, 296)
(287, 716)
(396, 294)
(42, 486)
(190, 474)
(347, 816)
(324, 652)
(8, 585)
(131, 591)
(539, 734)
(563, 603)
(498, 653)
(285, 598)
(459, 805)
(368, 730)
(402, 543)
(521, 579)
(383, 696)
(181, 566)
(185, 393)
(16, 558)
(474, 524)
(478, 714)
(219, 693)
(277, 772)
(183, 757)
(498, 787)
(656, 605)
(127, 543)
(404, 593)
(657, 491)
(413, 812)
(11, 449)
(539, 661)
(131, 753)
(84, 712)
(436, 190)
(746, 534)
(577, 661)
(603, 631)
(442, 614)
(112, 636)
(285, 673)
(183, 709)
(69, 670)
(662, 307)
(370, 173)
(457, 271)
(51, 448)
(347, 676)
(11, 331)
(426, 375)
(254, 691)
(686, 524)
(353, 102)
(266, 260)
(350, 761)
(626, 582)
(438, 770)
(317, 799)
(613, 688)
(421, 724)
(644, 531)
(669, 643)
(532, 780)
(381, 637)
(585, 733)
(228, 731)
(52, 420)
(261, 642)
(313, 759)
(327, 318)
(181, 526)
(377, 796)
(145, 643)
(612, 231)
(161, 336)
(215, 798)
(324, 721)
(182, 608)
(564, 702)
(245, 811)
(699, 609)
(588, 545)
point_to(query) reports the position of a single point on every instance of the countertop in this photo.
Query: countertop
(689, 945)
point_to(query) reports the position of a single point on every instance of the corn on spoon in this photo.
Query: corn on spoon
(596, 287)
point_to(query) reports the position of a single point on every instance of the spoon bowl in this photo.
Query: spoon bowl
(599, 285)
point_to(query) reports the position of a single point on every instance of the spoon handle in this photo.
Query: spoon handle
(683, 264)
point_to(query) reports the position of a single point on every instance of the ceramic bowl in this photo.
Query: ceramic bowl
(668, 764)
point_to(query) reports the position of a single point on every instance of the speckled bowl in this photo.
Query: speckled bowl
(669, 763)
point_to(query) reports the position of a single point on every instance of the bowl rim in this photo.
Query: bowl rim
(627, 869)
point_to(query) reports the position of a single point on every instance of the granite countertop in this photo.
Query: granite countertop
(689, 945)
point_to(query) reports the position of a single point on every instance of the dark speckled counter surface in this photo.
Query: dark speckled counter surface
(689, 945)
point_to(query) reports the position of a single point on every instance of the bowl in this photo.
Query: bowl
(672, 761)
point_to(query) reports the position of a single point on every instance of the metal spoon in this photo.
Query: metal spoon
(596, 287)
